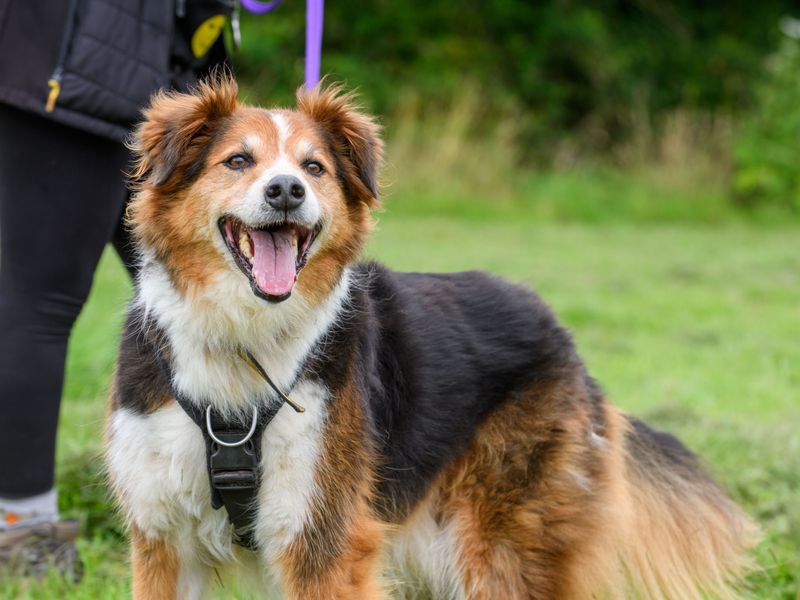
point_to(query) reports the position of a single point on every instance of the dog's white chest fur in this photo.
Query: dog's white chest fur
(204, 333)
(158, 461)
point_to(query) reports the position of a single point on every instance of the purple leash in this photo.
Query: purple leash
(260, 8)
(315, 12)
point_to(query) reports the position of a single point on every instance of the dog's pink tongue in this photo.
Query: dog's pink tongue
(274, 261)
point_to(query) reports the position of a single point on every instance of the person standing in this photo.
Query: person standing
(73, 78)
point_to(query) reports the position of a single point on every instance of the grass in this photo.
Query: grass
(694, 327)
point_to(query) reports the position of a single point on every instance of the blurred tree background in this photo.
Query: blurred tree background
(684, 92)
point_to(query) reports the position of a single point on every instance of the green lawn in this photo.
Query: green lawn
(696, 328)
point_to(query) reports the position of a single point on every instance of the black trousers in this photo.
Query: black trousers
(62, 193)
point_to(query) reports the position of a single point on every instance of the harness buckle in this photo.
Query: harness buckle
(233, 467)
(244, 479)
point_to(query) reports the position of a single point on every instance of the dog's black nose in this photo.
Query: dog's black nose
(285, 192)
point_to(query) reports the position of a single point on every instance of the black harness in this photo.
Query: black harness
(233, 452)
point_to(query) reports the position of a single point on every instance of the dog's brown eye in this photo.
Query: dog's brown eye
(315, 168)
(238, 161)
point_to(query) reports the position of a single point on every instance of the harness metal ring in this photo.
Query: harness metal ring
(231, 444)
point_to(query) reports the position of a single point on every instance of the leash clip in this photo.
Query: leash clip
(237, 443)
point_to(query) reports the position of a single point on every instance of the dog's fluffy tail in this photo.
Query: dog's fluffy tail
(683, 537)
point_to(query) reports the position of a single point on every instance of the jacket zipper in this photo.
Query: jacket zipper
(55, 79)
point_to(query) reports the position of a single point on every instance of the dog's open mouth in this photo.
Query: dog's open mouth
(270, 256)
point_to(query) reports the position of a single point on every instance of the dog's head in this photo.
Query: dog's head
(281, 198)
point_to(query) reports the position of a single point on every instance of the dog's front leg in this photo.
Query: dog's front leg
(155, 568)
(316, 566)
(160, 573)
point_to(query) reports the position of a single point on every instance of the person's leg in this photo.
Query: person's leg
(61, 195)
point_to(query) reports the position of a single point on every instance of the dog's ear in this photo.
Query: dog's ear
(354, 138)
(177, 129)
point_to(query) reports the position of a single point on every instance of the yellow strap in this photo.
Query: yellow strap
(55, 90)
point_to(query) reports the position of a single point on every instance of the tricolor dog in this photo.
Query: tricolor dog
(441, 437)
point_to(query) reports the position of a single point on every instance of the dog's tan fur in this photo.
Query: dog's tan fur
(590, 526)
(155, 568)
(337, 555)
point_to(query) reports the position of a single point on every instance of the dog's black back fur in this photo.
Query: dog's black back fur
(436, 354)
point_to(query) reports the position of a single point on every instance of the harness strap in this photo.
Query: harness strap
(234, 468)
(234, 472)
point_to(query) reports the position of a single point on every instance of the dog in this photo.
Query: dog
(451, 443)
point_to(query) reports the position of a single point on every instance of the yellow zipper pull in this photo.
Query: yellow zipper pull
(55, 90)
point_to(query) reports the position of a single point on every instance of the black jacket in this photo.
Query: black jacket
(98, 60)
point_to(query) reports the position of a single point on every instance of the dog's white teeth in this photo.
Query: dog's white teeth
(245, 245)
(295, 239)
